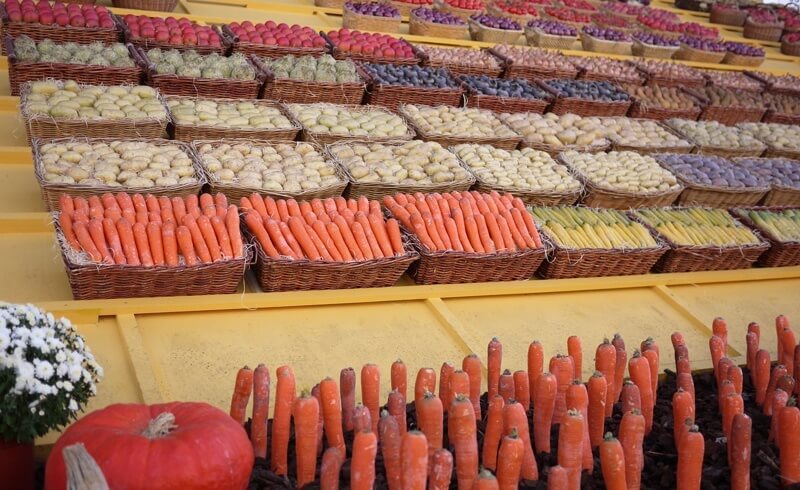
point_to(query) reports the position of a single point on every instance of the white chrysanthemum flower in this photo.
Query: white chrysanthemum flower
(67, 386)
(73, 405)
(75, 372)
(44, 370)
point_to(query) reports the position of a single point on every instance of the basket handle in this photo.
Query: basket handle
(227, 32)
(226, 43)
(122, 26)
(4, 14)
(262, 68)
(505, 62)
(9, 44)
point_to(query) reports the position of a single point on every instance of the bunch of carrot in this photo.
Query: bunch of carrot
(466, 221)
(331, 230)
(149, 231)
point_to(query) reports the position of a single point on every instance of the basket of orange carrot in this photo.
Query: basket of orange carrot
(335, 243)
(468, 236)
(125, 246)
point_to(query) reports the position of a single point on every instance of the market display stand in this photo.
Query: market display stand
(155, 350)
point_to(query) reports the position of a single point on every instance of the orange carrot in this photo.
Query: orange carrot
(462, 433)
(612, 462)
(452, 233)
(372, 240)
(332, 414)
(190, 222)
(362, 465)
(652, 362)
(170, 244)
(362, 420)
(123, 200)
(153, 234)
(472, 366)
(557, 478)
(510, 457)
(789, 423)
(459, 384)
(347, 236)
(717, 347)
(266, 207)
(305, 411)
(281, 421)
(415, 455)
(293, 209)
(347, 388)
(463, 237)
(431, 229)
(142, 217)
(152, 204)
(505, 219)
(514, 417)
(361, 239)
(486, 481)
(719, 327)
(788, 343)
(444, 384)
(241, 394)
(597, 392)
(527, 219)
(639, 369)
(86, 243)
(483, 233)
(209, 237)
(630, 397)
(96, 212)
(575, 350)
(370, 391)
(684, 381)
(522, 389)
(682, 365)
(578, 399)
(81, 215)
(441, 470)
(397, 409)
(473, 235)
(762, 374)
(606, 363)
(544, 404)
(778, 401)
(690, 460)
(258, 425)
(338, 241)
(736, 377)
(223, 239)
(493, 432)
(256, 226)
(139, 204)
(298, 231)
(317, 240)
(95, 228)
(66, 205)
(178, 209)
(193, 206)
(399, 377)
(331, 469)
(430, 421)
(506, 388)
(112, 237)
(494, 231)
(752, 347)
(125, 231)
(495, 360)
(620, 363)
(220, 203)
(112, 213)
(683, 408)
(283, 209)
(570, 444)
(631, 437)
(390, 437)
(235, 234)
(740, 451)
(732, 405)
(320, 419)
(524, 223)
(535, 365)
(275, 235)
(561, 367)
(426, 381)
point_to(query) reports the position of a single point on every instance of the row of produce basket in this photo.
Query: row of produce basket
(121, 245)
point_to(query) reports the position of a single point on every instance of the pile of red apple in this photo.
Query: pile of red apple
(520, 7)
(70, 14)
(567, 14)
(661, 24)
(698, 30)
(579, 4)
(370, 44)
(271, 33)
(466, 4)
(170, 30)
(659, 14)
(763, 16)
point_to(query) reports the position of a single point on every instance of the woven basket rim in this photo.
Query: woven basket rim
(690, 184)
(540, 32)
(654, 46)
(259, 102)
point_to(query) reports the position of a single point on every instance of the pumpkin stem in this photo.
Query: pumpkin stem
(83, 473)
(160, 426)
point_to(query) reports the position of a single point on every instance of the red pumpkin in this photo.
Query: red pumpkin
(187, 446)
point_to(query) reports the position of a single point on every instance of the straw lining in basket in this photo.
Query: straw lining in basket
(446, 140)
(781, 253)
(46, 126)
(236, 191)
(191, 132)
(51, 192)
(377, 190)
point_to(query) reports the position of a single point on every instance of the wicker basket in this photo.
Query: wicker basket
(447, 140)
(600, 197)
(305, 275)
(405, 8)
(234, 192)
(755, 85)
(533, 73)
(40, 32)
(52, 192)
(636, 78)
(642, 110)
(721, 151)
(781, 118)
(585, 107)
(331, 4)
(793, 89)
(649, 150)
(89, 280)
(330, 138)
(687, 53)
(693, 5)
(655, 79)
(20, 72)
(344, 55)
(597, 45)
(147, 44)
(419, 27)
(639, 48)
(378, 190)
(359, 22)
(45, 126)
(443, 6)
(464, 69)
(773, 152)
(765, 32)
(482, 33)
(780, 253)
(265, 51)
(199, 87)
(393, 96)
(290, 90)
(727, 16)
(780, 195)
(191, 132)
(540, 39)
(736, 59)
(554, 151)
(155, 5)
(504, 104)
(790, 49)
(565, 263)
(731, 115)
(521, 19)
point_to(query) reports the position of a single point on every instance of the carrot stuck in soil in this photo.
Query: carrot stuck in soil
(486, 481)
(332, 414)
(258, 427)
(305, 412)
(543, 409)
(522, 389)
(631, 437)
(612, 463)
(575, 350)
(578, 399)
(596, 389)
(399, 378)
(494, 362)
(639, 369)
(558, 478)
(606, 363)
(462, 433)
(789, 423)
(535, 365)
(514, 418)
(630, 397)
(778, 402)
(370, 392)
(430, 418)
(241, 394)
(444, 384)
(441, 470)
(683, 407)
(690, 460)
(414, 461)
(717, 348)
(506, 385)
(362, 464)
(740, 450)
(425, 382)
(472, 366)
(762, 374)
(347, 387)
(621, 362)
(282, 419)
(391, 443)
(561, 366)
(510, 457)
(777, 373)
(493, 432)
(362, 420)
(570, 446)
(331, 469)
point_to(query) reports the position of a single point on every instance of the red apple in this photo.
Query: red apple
(30, 17)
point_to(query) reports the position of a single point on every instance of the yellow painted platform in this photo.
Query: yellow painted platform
(189, 348)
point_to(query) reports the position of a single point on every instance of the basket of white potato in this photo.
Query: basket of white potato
(643, 136)
(529, 174)
(83, 167)
(379, 169)
(452, 126)
(782, 140)
(206, 119)
(298, 170)
(553, 133)
(622, 179)
(713, 138)
(328, 123)
(59, 109)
